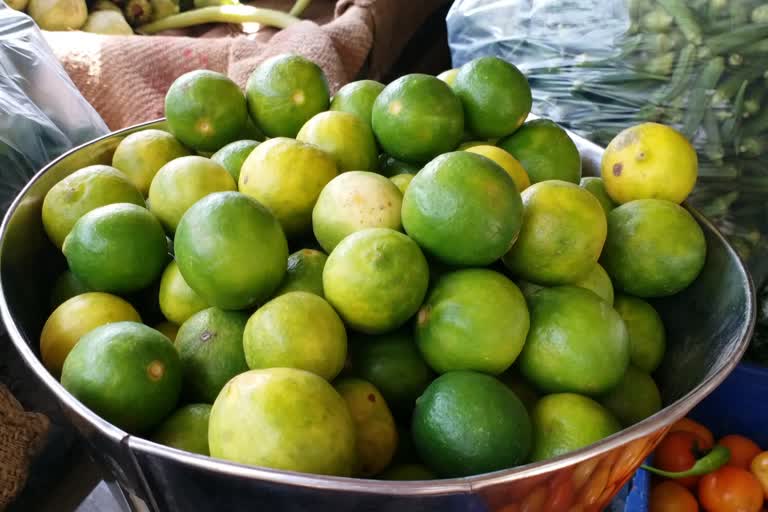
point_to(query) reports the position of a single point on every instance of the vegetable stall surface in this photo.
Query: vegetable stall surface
(471, 323)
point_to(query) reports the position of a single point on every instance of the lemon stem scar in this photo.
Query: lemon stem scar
(155, 370)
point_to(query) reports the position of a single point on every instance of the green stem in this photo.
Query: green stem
(299, 7)
(221, 14)
(715, 459)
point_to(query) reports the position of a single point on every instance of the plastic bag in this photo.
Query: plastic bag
(42, 114)
(597, 67)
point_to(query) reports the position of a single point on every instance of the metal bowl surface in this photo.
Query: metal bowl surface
(708, 329)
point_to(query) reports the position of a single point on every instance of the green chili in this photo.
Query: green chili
(715, 459)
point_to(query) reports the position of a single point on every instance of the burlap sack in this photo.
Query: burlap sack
(125, 77)
(22, 435)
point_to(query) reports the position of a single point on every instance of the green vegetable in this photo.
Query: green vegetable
(221, 14)
(731, 126)
(742, 36)
(699, 101)
(680, 77)
(684, 18)
(657, 20)
(715, 459)
(714, 149)
(164, 8)
(760, 14)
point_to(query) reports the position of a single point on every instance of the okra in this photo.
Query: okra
(661, 64)
(757, 124)
(714, 149)
(716, 8)
(701, 96)
(658, 20)
(760, 14)
(753, 146)
(735, 60)
(742, 36)
(739, 12)
(730, 85)
(720, 205)
(755, 97)
(732, 125)
(684, 18)
(757, 48)
(680, 77)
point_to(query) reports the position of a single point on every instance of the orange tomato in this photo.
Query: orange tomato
(743, 450)
(669, 496)
(730, 489)
(678, 452)
(702, 433)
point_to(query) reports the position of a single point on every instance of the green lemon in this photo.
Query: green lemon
(198, 122)
(127, 373)
(376, 279)
(140, 155)
(177, 300)
(468, 423)
(565, 422)
(344, 136)
(181, 183)
(597, 188)
(353, 201)
(186, 429)
(563, 232)
(303, 423)
(634, 399)
(119, 248)
(474, 319)
(545, 151)
(495, 94)
(463, 208)
(284, 92)
(231, 250)
(417, 117)
(357, 98)
(577, 342)
(304, 273)
(647, 338)
(296, 330)
(232, 156)
(83, 191)
(654, 248)
(210, 345)
(287, 176)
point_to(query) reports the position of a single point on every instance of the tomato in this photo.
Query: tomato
(743, 450)
(678, 451)
(669, 496)
(759, 468)
(730, 489)
(705, 437)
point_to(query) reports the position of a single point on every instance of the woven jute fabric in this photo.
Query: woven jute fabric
(22, 435)
(125, 77)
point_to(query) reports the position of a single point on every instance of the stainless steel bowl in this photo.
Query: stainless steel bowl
(708, 325)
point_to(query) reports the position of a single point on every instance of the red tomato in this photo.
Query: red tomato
(730, 489)
(705, 437)
(669, 496)
(678, 451)
(743, 450)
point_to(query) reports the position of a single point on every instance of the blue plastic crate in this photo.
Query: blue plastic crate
(737, 406)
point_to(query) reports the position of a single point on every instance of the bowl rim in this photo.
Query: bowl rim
(648, 426)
